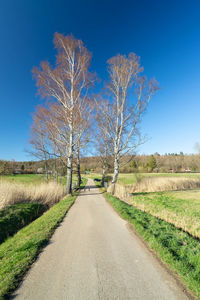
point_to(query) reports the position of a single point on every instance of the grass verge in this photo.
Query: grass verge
(15, 217)
(20, 251)
(175, 247)
(180, 208)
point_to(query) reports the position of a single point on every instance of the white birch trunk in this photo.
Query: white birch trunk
(46, 170)
(116, 173)
(69, 162)
(78, 169)
(103, 175)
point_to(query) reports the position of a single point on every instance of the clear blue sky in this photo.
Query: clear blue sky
(165, 34)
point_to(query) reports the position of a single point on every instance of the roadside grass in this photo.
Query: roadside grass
(15, 217)
(20, 251)
(181, 208)
(175, 247)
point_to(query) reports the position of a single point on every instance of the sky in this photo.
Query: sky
(165, 34)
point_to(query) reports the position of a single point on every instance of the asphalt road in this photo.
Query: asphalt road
(93, 255)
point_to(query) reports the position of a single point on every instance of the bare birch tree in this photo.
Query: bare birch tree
(39, 138)
(83, 130)
(130, 96)
(104, 144)
(66, 83)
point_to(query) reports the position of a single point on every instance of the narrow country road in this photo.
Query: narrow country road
(93, 255)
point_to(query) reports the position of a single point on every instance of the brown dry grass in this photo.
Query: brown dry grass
(158, 184)
(122, 192)
(46, 193)
(155, 184)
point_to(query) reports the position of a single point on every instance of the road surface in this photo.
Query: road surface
(93, 255)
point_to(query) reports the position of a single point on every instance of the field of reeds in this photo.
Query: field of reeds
(45, 193)
(156, 184)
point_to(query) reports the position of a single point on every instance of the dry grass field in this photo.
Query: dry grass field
(46, 193)
(157, 184)
(31, 188)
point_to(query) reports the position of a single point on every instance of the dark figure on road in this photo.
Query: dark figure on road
(85, 188)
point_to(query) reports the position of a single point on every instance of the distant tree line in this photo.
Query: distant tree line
(174, 162)
(30, 167)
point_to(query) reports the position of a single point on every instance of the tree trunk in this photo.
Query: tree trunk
(69, 162)
(69, 175)
(46, 171)
(115, 174)
(55, 168)
(57, 179)
(78, 170)
(103, 175)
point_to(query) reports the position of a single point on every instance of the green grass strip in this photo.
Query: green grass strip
(175, 247)
(20, 251)
(16, 216)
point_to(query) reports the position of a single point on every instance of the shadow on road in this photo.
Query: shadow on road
(90, 194)
(88, 187)
(91, 188)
